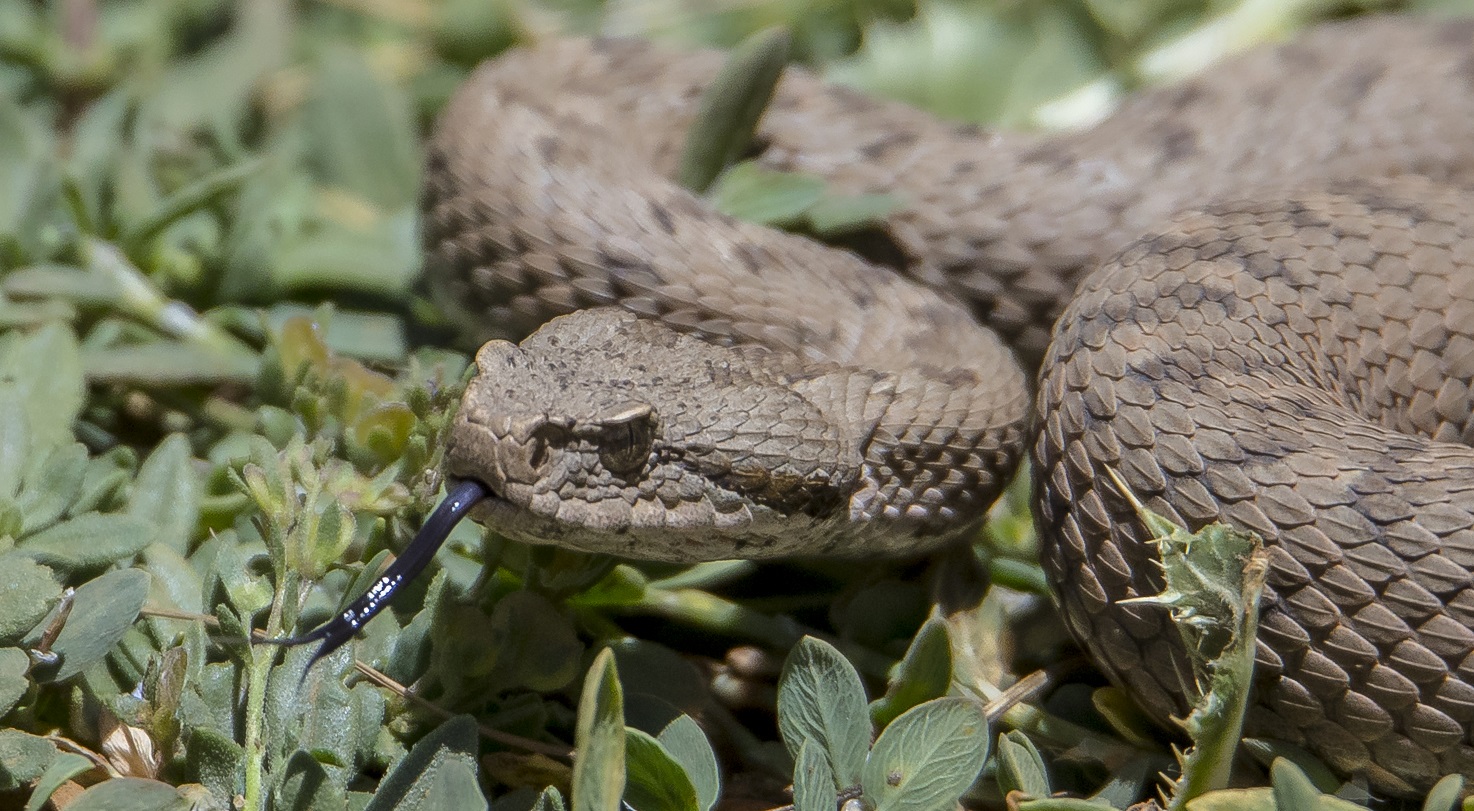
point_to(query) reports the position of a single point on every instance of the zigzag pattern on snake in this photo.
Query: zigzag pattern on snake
(1294, 362)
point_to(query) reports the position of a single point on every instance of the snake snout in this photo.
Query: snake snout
(507, 454)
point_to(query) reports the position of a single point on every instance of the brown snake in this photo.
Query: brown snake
(1293, 362)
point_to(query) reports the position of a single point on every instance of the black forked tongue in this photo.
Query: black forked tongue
(336, 632)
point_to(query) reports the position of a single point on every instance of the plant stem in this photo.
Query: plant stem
(262, 657)
(139, 298)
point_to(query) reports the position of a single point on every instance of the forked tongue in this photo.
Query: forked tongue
(336, 632)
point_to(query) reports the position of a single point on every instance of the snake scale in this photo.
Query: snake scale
(1261, 283)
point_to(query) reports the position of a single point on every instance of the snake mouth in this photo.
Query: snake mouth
(491, 498)
(494, 509)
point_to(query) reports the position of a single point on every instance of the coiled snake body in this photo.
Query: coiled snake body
(1297, 363)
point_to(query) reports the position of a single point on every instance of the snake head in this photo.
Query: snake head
(519, 446)
(608, 433)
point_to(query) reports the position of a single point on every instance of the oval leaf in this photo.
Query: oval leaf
(46, 370)
(23, 757)
(928, 757)
(924, 673)
(66, 766)
(655, 781)
(813, 780)
(130, 794)
(13, 682)
(687, 744)
(15, 442)
(820, 698)
(1293, 791)
(598, 766)
(439, 769)
(27, 593)
(1445, 794)
(167, 493)
(1021, 767)
(89, 541)
(749, 192)
(731, 107)
(103, 609)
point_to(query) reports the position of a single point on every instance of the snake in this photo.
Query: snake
(1249, 295)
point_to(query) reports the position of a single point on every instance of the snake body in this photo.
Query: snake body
(1293, 362)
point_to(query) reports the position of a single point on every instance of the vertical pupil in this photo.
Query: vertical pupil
(625, 444)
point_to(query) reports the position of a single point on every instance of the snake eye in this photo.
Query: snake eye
(626, 438)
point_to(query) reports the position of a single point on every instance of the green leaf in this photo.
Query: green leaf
(360, 133)
(1213, 581)
(186, 201)
(623, 586)
(13, 682)
(214, 760)
(1077, 804)
(103, 480)
(247, 592)
(28, 591)
(130, 794)
(598, 766)
(1234, 799)
(1293, 791)
(1128, 783)
(306, 786)
(928, 757)
(89, 541)
(923, 674)
(214, 88)
(1020, 766)
(813, 780)
(687, 744)
(535, 645)
(45, 369)
(1125, 716)
(23, 757)
(749, 192)
(1266, 752)
(103, 609)
(438, 773)
(59, 280)
(986, 63)
(167, 493)
(53, 487)
(731, 107)
(381, 261)
(549, 800)
(838, 214)
(365, 335)
(176, 583)
(820, 698)
(468, 31)
(1128, 21)
(1445, 794)
(650, 668)
(167, 363)
(66, 766)
(15, 442)
(654, 780)
(29, 179)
